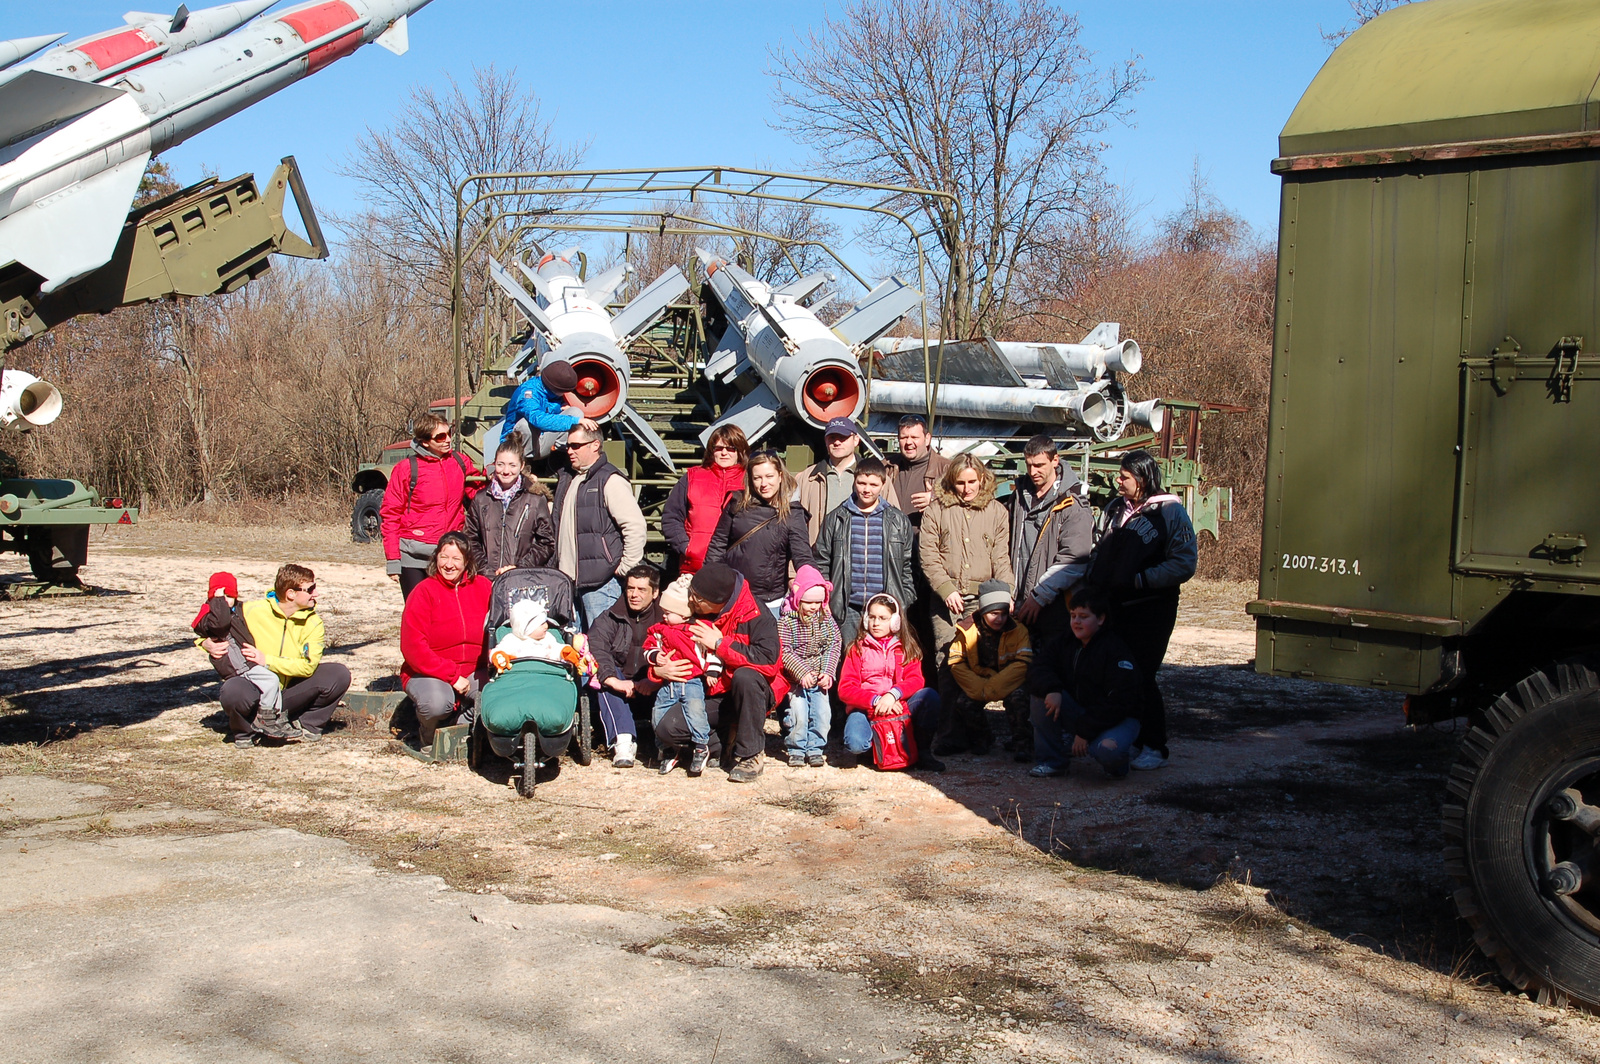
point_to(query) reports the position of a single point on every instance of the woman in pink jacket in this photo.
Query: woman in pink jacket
(882, 677)
(427, 496)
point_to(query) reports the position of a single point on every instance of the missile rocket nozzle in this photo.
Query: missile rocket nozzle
(599, 389)
(830, 392)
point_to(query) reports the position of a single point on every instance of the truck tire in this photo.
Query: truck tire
(50, 564)
(366, 524)
(1502, 837)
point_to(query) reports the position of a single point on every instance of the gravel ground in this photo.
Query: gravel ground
(1274, 894)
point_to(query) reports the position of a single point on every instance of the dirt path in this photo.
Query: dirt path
(1275, 894)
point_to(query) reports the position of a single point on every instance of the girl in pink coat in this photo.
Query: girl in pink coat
(882, 677)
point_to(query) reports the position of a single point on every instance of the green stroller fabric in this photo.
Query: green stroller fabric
(542, 692)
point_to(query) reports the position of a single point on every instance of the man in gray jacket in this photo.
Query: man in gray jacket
(1052, 533)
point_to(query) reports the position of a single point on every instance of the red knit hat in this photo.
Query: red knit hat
(223, 584)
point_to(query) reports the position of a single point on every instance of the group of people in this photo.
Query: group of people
(882, 605)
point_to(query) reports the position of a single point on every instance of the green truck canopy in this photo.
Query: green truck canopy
(1454, 72)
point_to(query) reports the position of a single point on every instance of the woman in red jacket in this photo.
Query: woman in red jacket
(882, 677)
(441, 634)
(695, 505)
(427, 496)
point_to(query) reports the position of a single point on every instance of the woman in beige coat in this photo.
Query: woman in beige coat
(965, 540)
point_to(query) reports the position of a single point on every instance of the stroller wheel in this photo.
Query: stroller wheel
(477, 745)
(526, 780)
(583, 733)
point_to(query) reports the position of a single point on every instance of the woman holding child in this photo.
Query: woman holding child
(441, 634)
(762, 533)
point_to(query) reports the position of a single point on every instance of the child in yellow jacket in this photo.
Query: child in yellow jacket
(989, 660)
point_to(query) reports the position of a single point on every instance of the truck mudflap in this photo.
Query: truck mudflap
(1407, 653)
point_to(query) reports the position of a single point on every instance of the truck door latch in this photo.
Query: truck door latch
(1562, 547)
(1503, 365)
(1566, 355)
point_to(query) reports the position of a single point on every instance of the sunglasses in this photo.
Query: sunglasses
(723, 447)
(574, 446)
(440, 437)
(309, 589)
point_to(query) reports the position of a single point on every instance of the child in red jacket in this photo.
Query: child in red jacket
(882, 677)
(672, 637)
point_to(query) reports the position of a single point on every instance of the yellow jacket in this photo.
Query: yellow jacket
(291, 646)
(979, 683)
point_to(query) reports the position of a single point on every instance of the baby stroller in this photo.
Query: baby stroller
(530, 712)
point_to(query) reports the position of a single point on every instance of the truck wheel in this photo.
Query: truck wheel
(365, 521)
(1522, 843)
(49, 564)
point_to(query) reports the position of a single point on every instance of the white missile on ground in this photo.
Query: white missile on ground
(15, 51)
(75, 151)
(26, 402)
(571, 324)
(801, 365)
(145, 38)
(993, 403)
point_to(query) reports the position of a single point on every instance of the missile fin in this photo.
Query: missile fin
(33, 101)
(877, 311)
(804, 286)
(639, 425)
(729, 359)
(756, 414)
(519, 295)
(1106, 334)
(602, 286)
(1004, 372)
(646, 307)
(74, 231)
(396, 38)
(534, 279)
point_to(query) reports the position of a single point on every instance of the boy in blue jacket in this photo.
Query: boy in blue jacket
(540, 401)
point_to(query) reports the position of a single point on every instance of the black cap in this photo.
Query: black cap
(842, 426)
(714, 583)
(559, 378)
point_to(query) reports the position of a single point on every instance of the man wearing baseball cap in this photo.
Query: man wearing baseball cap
(828, 483)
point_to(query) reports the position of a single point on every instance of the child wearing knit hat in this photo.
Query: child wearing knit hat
(810, 642)
(219, 620)
(672, 637)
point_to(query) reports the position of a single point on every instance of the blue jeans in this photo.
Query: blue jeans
(808, 720)
(924, 709)
(692, 693)
(1052, 739)
(591, 604)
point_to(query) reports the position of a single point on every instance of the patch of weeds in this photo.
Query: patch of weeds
(817, 803)
(97, 825)
(1173, 948)
(920, 882)
(1086, 958)
(961, 989)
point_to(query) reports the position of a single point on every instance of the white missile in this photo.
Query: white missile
(74, 151)
(1058, 365)
(571, 324)
(26, 402)
(14, 52)
(803, 366)
(993, 403)
(145, 38)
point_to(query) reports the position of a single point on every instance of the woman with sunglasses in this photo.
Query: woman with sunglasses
(695, 505)
(762, 531)
(427, 496)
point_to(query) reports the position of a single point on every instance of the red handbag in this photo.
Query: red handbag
(894, 747)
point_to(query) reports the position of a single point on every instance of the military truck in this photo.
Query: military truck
(1431, 488)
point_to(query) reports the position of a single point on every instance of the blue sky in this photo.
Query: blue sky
(675, 83)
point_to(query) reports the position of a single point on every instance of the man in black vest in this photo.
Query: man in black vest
(599, 526)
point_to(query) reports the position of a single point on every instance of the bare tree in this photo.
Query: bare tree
(410, 171)
(994, 101)
(1364, 11)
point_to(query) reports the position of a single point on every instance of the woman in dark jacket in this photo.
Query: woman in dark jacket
(1147, 549)
(692, 510)
(763, 532)
(508, 522)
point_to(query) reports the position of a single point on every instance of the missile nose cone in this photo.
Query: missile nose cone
(15, 51)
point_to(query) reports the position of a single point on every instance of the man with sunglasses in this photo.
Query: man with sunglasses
(288, 637)
(599, 526)
(427, 496)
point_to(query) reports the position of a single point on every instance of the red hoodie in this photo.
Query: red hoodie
(441, 629)
(871, 668)
(438, 505)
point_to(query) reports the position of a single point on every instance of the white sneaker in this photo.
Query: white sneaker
(622, 752)
(1148, 758)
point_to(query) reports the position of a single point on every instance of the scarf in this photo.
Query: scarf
(505, 495)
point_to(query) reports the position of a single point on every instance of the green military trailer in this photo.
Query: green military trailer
(1431, 486)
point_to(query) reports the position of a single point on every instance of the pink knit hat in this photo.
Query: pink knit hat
(807, 578)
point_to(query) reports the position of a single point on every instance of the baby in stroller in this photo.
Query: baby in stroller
(530, 635)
